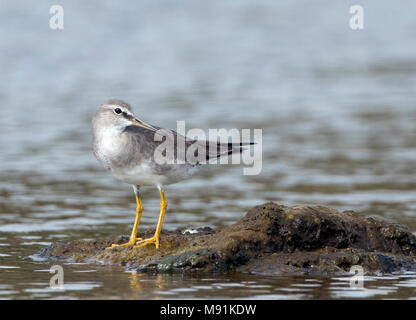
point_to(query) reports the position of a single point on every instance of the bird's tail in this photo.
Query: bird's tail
(226, 149)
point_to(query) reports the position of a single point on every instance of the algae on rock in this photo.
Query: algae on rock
(271, 239)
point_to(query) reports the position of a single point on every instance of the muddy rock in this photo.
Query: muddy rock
(271, 239)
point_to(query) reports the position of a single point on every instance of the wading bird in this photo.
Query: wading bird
(130, 149)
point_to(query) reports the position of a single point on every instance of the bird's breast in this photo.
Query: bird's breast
(141, 174)
(112, 150)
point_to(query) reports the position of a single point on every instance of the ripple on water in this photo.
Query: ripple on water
(74, 286)
(349, 293)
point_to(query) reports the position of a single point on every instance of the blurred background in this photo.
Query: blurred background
(337, 108)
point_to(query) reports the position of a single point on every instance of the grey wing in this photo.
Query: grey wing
(201, 151)
(179, 149)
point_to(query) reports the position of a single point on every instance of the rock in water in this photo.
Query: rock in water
(271, 239)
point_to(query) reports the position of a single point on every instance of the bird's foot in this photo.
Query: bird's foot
(131, 242)
(145, 242)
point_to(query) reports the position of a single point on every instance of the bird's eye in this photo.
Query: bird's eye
(117, 110)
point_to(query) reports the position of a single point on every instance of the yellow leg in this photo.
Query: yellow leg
(133, 236)
(155, 238)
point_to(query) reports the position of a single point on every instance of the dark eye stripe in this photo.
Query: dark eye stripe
(127, 116)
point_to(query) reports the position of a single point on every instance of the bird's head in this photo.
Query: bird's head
(117, 114)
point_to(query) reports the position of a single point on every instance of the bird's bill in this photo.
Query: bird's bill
(139, 123)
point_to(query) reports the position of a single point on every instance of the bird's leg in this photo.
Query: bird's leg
(155, 238)
(133, 236)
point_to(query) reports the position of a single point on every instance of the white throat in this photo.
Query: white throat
(109, 140)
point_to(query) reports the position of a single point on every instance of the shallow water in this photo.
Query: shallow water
(337, 108)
